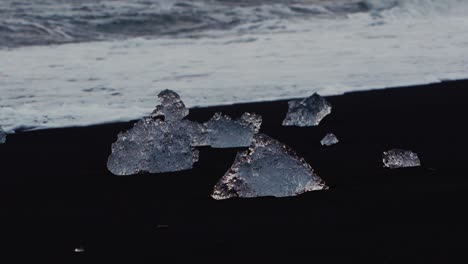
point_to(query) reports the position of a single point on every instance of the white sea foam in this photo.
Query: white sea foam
(96, 82)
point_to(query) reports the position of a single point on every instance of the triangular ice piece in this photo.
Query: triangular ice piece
(267, 168)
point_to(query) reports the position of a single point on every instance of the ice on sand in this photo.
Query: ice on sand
(307, 112)
(329, 139)
(267, 168)
(399, 158)
(223, 132)
(2, 136)
(153, 146)
(171, 108)
(159, 143)
(165, 141)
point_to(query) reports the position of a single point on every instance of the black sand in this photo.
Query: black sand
(57, 195)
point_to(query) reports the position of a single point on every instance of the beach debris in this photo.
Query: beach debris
(223, 132)
(153, 146)
(307, 112)
(329, 139)
(399, 158)
(165, 141)
(267, 168)
(2, 136)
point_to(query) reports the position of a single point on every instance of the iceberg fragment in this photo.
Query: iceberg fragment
(223, 132)
(267, 168)
(2, 136)
(171, 108)
(307, 112)
(329, 139)
(165, 141)
(153, 146)
(399, 158)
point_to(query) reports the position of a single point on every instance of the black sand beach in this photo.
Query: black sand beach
(57, 194)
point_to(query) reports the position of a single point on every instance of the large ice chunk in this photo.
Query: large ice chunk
(165, 141)
(2, 136)
(223, 132)
(153, 146)
(329, 139)
(267, 168)
(399, 158)
(307, 112)
(171, 108)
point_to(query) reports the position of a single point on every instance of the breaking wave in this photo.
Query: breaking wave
(43, 22)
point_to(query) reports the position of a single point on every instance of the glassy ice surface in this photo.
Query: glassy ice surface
(153, 146)
(223, 132)
(159, 143)
(165, 141)
(307, 112)
(329, 139)
(399, 158)
(2, 136)
(267, 168)
(171, 107)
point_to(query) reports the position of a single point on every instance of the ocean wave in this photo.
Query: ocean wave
(24, 22)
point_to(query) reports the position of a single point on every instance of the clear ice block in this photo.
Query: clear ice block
(329, 139)
(399, 158)
(267, 168)
(165, 141)
(307, 112)
(153, 146)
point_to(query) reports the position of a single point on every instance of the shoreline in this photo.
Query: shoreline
(241, 104)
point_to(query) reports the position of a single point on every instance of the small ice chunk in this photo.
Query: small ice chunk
(171, 108)
(329, 139)
(79, 249)
(153, 146)
(223, 132)
(307, 112)
(267, 168)
(399, 158)
(2, 136)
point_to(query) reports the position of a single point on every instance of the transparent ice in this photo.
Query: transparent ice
(2, 136)
(223, 132)
(329, 139)
(171, 107)
(267, 168)
(307, 112)
(399, 158)
(165, 141)
(153, 146)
